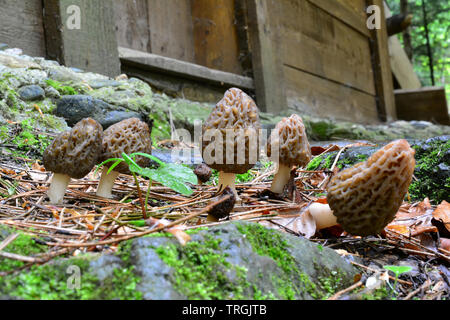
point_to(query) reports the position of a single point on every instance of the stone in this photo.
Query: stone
(3, 46)
(76, 107)
(31, 93)
(113, 117)
(100, 83)
(51, 92)
(63, 74)
(249, 261)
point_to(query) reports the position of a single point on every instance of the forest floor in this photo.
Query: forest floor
(414, 247)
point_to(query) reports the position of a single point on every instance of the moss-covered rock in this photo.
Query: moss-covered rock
(232, 261)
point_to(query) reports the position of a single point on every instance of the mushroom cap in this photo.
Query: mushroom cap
(235, 118)
(75, 152)
(203, 172)
(289, 137)
(129, 136)
(366, 197)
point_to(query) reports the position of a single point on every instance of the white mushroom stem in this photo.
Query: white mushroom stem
(58, 187)
(281, 178)
(228, 180)
(106, 183)
(323, 215)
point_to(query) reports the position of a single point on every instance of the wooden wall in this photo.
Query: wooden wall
(21, 26)
(197, 31)
(326, 58)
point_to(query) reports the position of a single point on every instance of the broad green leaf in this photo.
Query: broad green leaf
(174, 176)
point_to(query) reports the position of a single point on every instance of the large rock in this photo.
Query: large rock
(73, 108)
(231, 261)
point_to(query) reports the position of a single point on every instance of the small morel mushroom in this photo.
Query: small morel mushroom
(366, 197)
(128, 136)
(290, 141)
(72, 154)
(222, 209)
(203, 173)
(230, 137)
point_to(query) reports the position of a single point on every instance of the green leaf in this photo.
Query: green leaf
(398, 269)
(137, 223)
(174, 176)
(133, 155)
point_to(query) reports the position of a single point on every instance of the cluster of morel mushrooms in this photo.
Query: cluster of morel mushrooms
(363, 199)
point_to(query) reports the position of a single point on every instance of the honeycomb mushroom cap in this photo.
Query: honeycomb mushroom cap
(366, 197)
(289, 137)
(129, 136)
(75, 152)
(236, 112)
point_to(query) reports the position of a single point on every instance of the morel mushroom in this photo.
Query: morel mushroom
(366, 197)
(289, 140)
(203, 173)
(72, 154)
(128, 136)
(230, 137)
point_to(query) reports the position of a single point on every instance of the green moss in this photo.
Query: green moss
(53, 282)
(201, 270)
(429, 183)
(291, 283)
(314, 163)
(62, 89)
(23, 245)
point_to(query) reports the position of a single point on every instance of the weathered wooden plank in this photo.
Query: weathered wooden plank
(131, 20)
(183, 69)
(427, 103)
(323, 98)
(348, 11)
(382, 68)
(215, 35)
(264, 34)
(323, 45)
(401, 66)
(171, 29)
(92, 46)
(21, 26)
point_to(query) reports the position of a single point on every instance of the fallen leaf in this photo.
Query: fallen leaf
(445, 244)
(442, 213)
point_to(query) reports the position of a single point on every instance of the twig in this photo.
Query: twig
(340, 293)
(422, 287)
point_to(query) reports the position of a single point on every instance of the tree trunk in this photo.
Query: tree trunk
(406, 33)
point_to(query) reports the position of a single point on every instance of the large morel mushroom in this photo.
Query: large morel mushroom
(366, 197)
(72, 154)
(230, 137)
(128, 136)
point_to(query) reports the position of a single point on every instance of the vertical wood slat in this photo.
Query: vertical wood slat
(92, 47)
(131, 23)
(215, 35)
(266, 58)
(382, 68)
(171, 30)
(21, 26)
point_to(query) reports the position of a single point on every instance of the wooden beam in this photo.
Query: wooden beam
(183, 69)
(265, 41)
(382, 68)
(427, 103)
(400, 64)
(92, 46)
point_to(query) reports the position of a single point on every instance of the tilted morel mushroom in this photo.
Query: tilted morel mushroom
(72, 154)
(128, 136)
(365, 198)
(230, 137)
(289, 140)
(203, 173)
